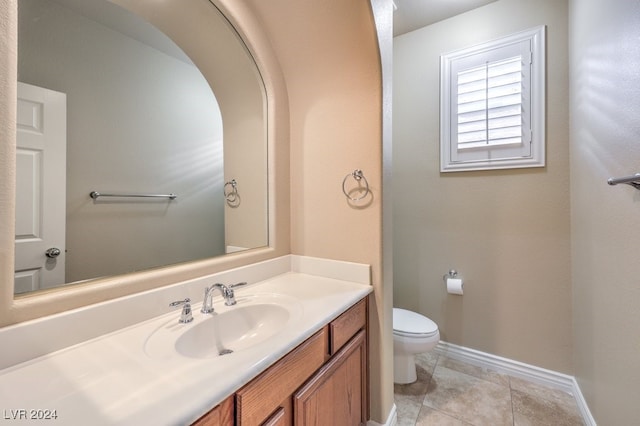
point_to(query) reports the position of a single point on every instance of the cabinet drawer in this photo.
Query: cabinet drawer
(347, 325)
(265, 393)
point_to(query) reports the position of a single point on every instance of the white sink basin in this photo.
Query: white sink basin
(253, 320)
(233, 330)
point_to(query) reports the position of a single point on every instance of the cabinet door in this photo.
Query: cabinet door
(272, 389)
(279, 418)
(336, 394)
(221, 415)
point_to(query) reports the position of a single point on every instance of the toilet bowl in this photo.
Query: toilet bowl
(412, 334)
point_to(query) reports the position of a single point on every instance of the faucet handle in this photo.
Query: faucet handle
(230, 297)
(238, 284)
(185, 316)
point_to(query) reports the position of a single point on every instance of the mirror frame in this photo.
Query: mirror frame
(15, 310)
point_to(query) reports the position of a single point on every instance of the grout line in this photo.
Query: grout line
(513, 411)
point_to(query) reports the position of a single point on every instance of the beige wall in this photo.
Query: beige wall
(605, 142)
(8, 78)
(506, 232)
(381, 320)
(329, 57)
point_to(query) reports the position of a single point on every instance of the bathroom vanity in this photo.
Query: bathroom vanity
(295, 349)
(322, 381)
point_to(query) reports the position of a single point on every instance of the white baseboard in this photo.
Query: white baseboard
(514, 368)
(392, 419)
(582, 405)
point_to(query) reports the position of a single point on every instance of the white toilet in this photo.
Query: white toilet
(412, 334)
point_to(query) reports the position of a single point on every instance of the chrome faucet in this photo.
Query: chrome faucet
(185, 316)
(227, 293)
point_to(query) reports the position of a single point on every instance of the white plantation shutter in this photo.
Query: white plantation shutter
(490, 104)
(492, 98)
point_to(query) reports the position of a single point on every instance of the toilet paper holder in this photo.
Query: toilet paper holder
(452, 274)
(453, 282)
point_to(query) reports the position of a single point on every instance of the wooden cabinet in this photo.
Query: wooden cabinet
(335, 395)
(347, 325)
(323, 381)
(272, 390)
(279, 418)
(221, 415)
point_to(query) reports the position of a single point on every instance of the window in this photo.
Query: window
(492, 104)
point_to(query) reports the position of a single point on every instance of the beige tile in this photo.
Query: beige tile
(474, 370)
(430, 417)
(469, 398)
(540, 391)
(455, 393)
(408, 408)
(424, 370)
(532, 410)
(408, 398)
(427, 361)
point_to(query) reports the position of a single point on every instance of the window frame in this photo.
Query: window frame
(495, 157)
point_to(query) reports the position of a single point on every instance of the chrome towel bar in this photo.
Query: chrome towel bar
(95, 195)
(629, 180)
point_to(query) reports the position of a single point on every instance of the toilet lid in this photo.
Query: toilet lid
(412, 323)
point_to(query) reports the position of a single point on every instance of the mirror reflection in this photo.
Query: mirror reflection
(107, 103)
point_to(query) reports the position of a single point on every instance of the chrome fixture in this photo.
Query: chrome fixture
(95, 195)
(452, 274)
(185, 316)
(231, 193)
(227, 294)
(629, 180)
(358, 176)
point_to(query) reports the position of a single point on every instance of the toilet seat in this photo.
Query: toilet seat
(411, 324)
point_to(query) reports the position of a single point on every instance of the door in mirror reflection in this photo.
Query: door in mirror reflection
(141, 119)
(40, 188)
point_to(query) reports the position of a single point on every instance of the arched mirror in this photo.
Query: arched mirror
(136, 147)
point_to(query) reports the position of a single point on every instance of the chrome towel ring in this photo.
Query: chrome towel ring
(231, 195)
(359, 177)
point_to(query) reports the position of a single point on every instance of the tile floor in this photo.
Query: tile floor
(452, 393)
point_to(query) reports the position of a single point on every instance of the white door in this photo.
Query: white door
(40, 188)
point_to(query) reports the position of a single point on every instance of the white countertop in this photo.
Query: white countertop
(111, 380)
